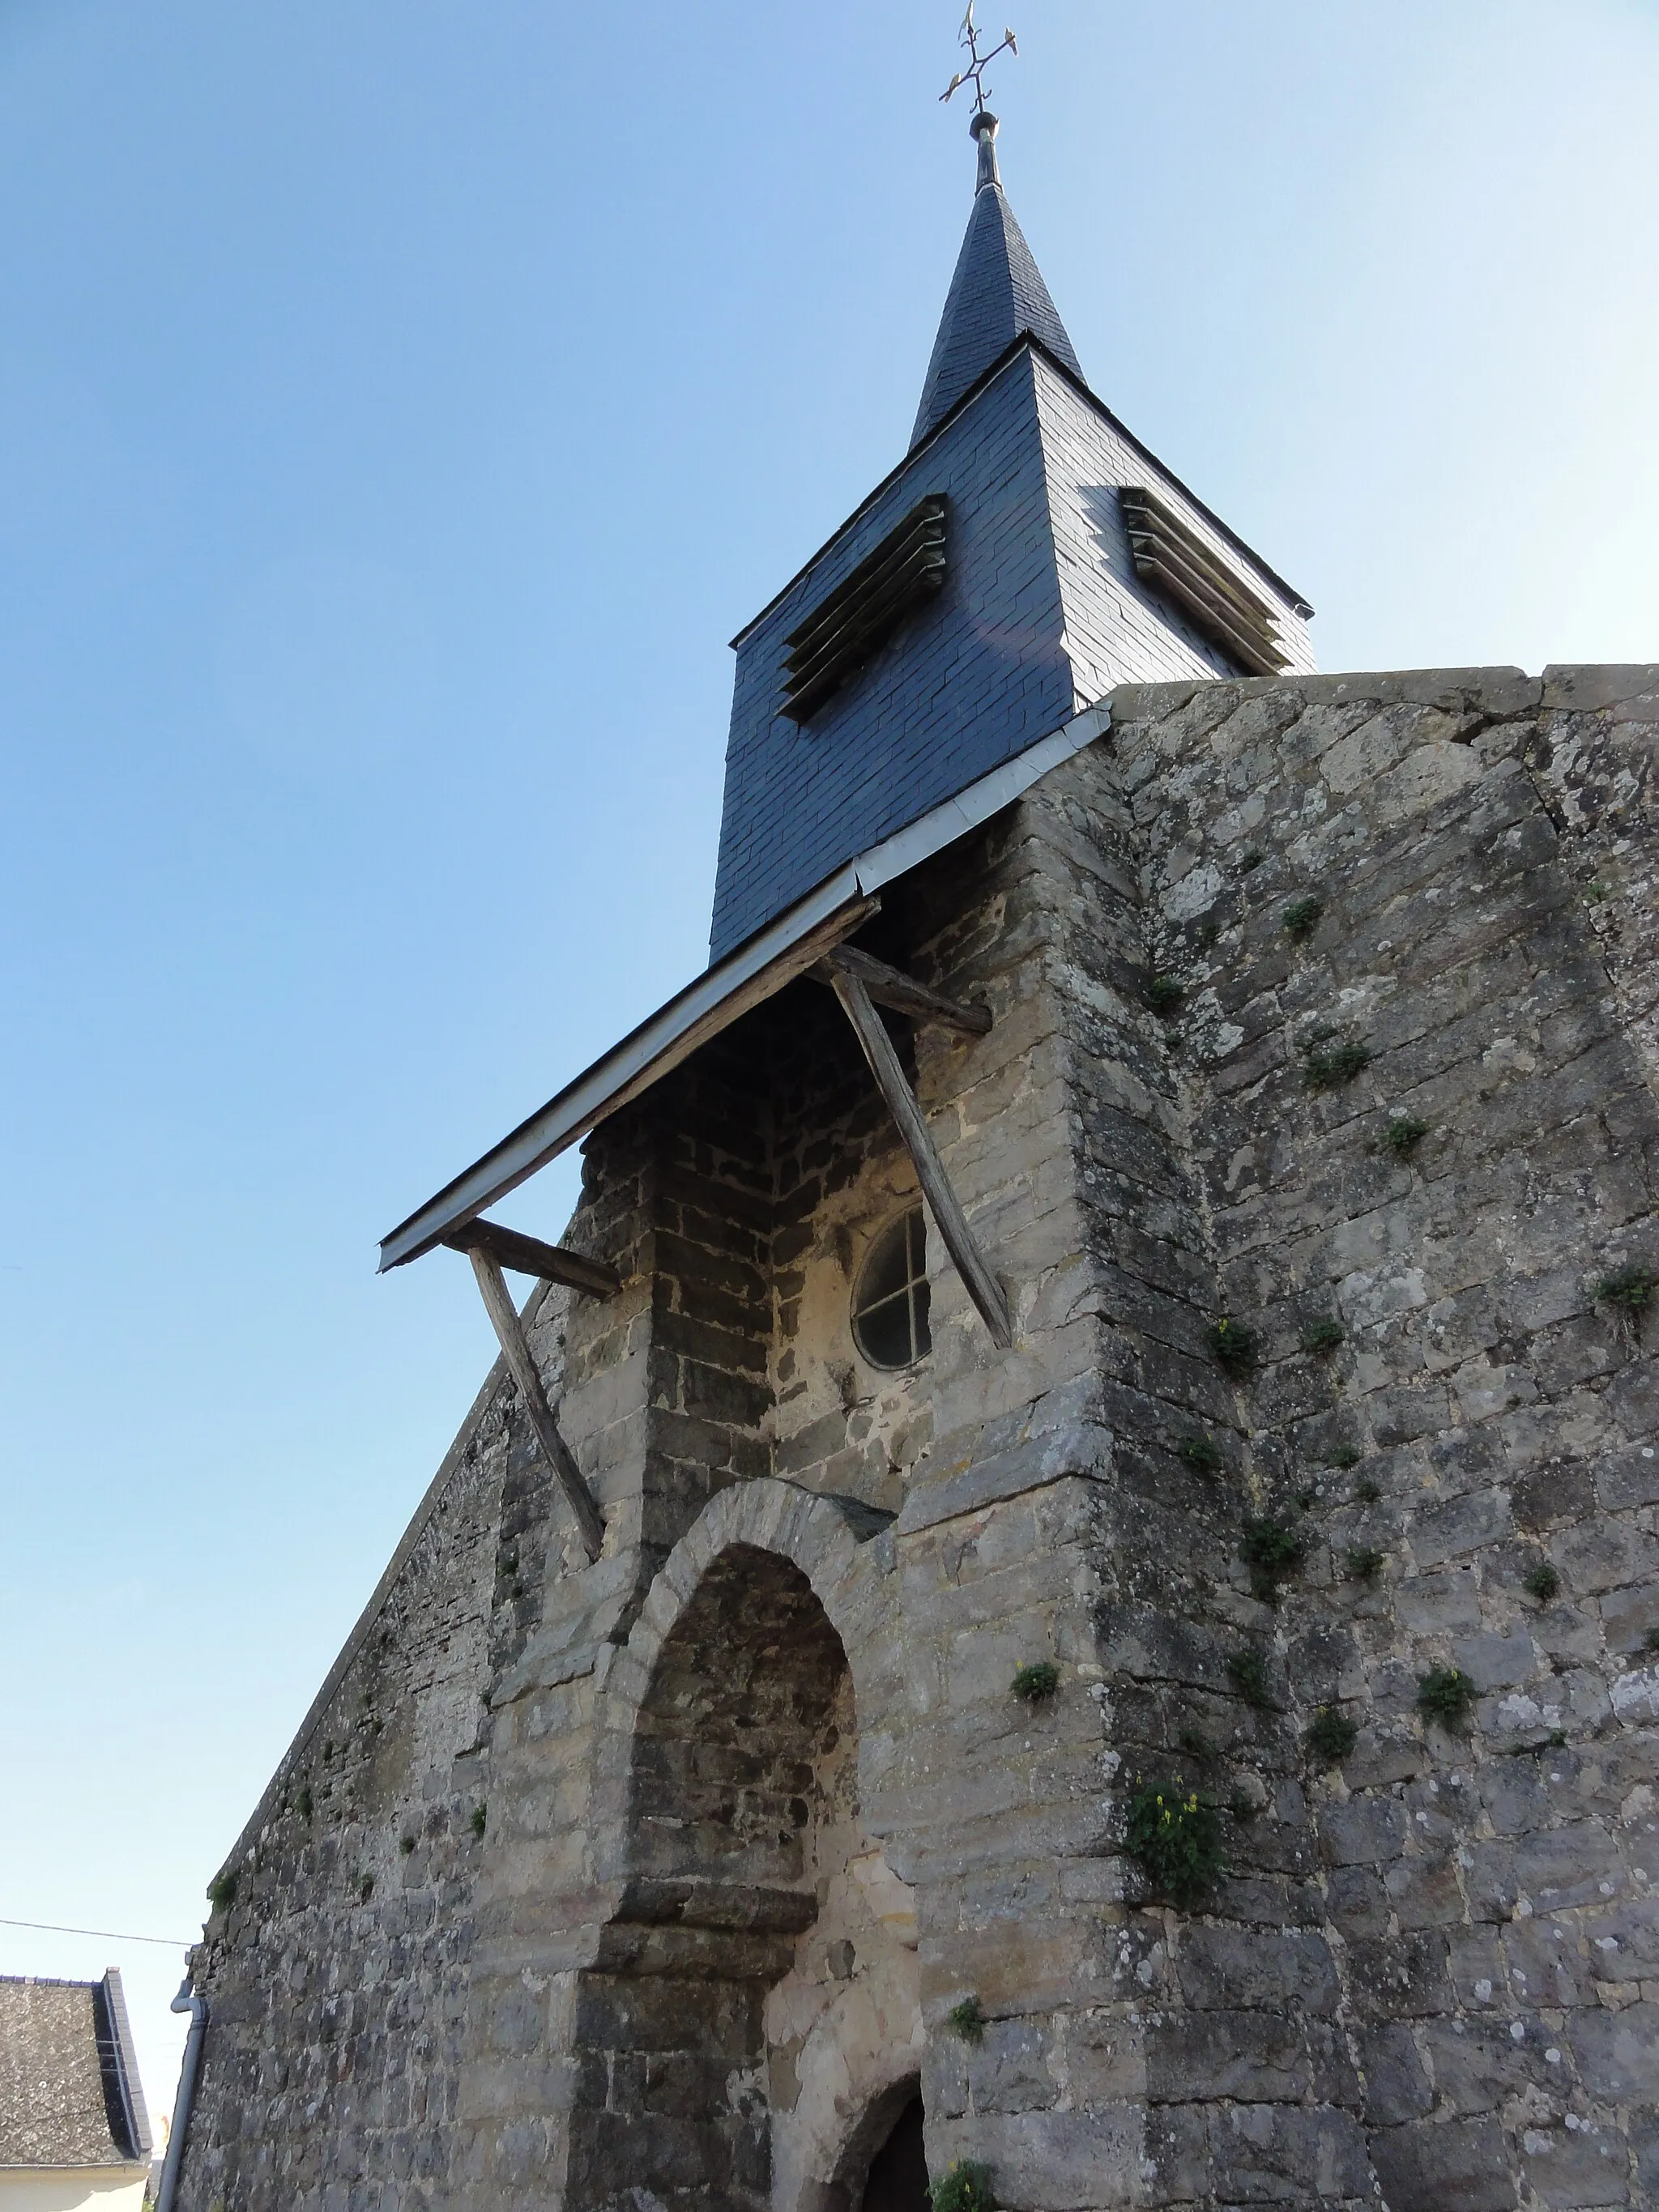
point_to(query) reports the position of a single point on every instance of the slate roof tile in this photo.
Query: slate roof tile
(1042, 610)
(70, 2093)
(996, 296)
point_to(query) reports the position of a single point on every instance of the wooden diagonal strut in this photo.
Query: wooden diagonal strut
(890, 987)
(515, 1349)
(528, 1255)
(871, 1031)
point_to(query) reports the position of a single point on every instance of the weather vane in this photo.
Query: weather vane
(978, 62)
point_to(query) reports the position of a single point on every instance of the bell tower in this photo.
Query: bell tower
(1027, 554)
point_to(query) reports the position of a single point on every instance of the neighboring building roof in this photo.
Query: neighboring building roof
(70, 2093)
(996, 296)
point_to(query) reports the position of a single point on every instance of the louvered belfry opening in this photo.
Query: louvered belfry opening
(1177, 564)
(848, 629)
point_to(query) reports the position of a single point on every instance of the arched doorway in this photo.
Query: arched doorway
(745, 1999)
(897, 2180)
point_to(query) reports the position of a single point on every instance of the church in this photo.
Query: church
(1053, 1599)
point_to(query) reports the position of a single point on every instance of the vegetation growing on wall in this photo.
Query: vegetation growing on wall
(1631, 1293)
(1273, 1549)
(1234, 1346)
(1174, 1836)
(965, 2188)
(1446, 1696)
(1404, 1135)
(1332, 1066)
(1302, 914)
(1248, 1672)
(1330, 1736)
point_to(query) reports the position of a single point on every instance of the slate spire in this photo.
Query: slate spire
(996, 295)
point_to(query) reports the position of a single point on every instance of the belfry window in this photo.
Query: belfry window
(890, 1305)
(1177, 564)
(853, 625)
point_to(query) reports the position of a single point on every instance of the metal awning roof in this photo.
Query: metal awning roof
(773, 957)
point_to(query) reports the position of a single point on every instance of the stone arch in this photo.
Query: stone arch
(755, 1993)
(828, 1539)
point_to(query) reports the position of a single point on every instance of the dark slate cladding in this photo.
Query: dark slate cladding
(1118, 628)
(974, 677)
(845, 632)
(996, 296)
(1042, 611)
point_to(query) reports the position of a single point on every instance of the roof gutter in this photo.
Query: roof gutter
(187, 2000)
(757, 971)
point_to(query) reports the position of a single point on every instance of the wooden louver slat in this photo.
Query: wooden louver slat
(1177, 564)
(842, 633)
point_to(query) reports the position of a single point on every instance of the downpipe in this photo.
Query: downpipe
(198, 2008)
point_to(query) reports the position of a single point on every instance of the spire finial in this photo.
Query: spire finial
(984, 124)
(984, 129)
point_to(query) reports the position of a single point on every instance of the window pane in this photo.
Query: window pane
(890, 1307)
(884, 1333)
(887, 1270)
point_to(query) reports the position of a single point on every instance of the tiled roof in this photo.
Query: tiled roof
(996, 296)
(69, 2094)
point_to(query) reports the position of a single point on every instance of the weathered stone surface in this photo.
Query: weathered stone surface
(758, 1812)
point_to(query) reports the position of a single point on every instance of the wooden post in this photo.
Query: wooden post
(515, 1348)
(871, 1031)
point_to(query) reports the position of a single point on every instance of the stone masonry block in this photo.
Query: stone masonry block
(1427, 2166)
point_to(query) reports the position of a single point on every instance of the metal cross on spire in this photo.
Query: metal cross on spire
(978, 62)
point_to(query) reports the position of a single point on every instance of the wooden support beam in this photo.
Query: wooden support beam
(528, 1255)
(871, 1031)
(892, 987)
(515, 1348)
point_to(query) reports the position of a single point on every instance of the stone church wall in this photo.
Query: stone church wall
(1474, 1907)
(337, 1953)
(758, 1809)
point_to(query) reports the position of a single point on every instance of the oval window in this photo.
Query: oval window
(890, 1306)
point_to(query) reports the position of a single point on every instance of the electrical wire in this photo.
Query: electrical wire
(106, 1935)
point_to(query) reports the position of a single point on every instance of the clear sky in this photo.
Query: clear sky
(401, 403)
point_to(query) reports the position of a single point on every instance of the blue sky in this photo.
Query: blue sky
(401, 403)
